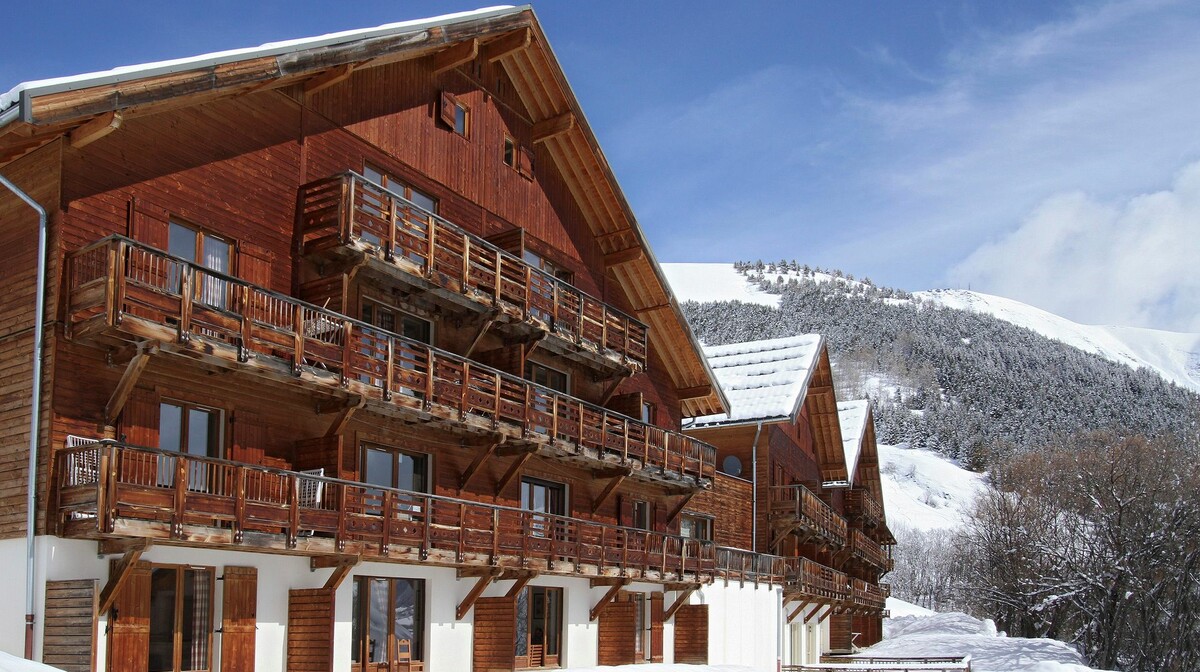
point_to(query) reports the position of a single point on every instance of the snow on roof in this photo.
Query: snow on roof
(852, 416)
(128, 72)
(763, 380)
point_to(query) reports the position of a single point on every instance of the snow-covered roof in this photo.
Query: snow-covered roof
(852, 417)
(763, 380)
(128, 72)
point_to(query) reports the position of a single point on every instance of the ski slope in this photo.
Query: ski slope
(1172, 355)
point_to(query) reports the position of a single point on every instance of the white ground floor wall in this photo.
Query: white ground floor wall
(746, 622)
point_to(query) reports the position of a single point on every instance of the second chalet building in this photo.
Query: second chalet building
(355, 358)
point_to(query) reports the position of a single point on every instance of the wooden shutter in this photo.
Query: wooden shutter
(254, 264)
(139, 418)
(656, 627)
(618, 633)
(310, 630)
(495, 629)
(239, 616)
(628, 404)
(248, 437)
(624, 511)
(69, 639)
(449, 108)
(660, 517)
(148, 224)
(525, 162)
(129, 623)
(691, 634)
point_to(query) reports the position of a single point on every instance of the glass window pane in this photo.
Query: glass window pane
(406, 624)
(373, 175)
(162, 619)
(197, 619)
(553, 620)
(200, 432)
(181, 242)
(423, 201)
(522, 629)
(377, 610)
(355, 624)
(170, 427)
(378, 468)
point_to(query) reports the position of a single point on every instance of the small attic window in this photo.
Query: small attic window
(510, 152)
(455, 114)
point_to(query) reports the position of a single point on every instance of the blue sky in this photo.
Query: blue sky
(1043, 151)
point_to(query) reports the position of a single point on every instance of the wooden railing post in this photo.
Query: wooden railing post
(466, 385)
(426, 524)
(430, 372)
(239, 504)
(495, 559)
(293, 531)
(388, 517)
(390, 368)
(298, 336)
(347, 350)
(185, 301)
(245, 315)
(431, 228)
(339, 538)
(466, 264)
(462, 531)
(181, 464)
(107, 465)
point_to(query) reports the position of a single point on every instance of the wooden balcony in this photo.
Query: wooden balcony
(862, 507)
(811, 581)
(796, 510)
(741, 565)
(867, 551)
(110, 490)
(865, 598)
(349, 215)
(120, 290)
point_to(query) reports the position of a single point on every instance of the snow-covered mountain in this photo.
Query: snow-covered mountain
(1172, 355)
(923, 490)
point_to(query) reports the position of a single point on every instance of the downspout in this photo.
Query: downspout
(754, 487)
(34, 411)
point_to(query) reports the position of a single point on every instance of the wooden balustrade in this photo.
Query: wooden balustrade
(867, 550)
(865, 595)
(117, 282)
(814, 581)
(797, 503)
(347, 208)
(110, 488)
(861, 504)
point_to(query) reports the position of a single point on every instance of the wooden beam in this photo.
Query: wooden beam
(456, 55)
(93, 130)
(553, 127)
(625, 256)
(520, 584)
(512, 472)
(679, 602)
(120, 575)
(340, 572)
(792, 616)
(343, 417)
(329, 77)
(476, 590)
(820, 613)
(129, 379)
(483, 329)
(608, 597)
(599, 581)
(612, 235)
(508, 44)
(683, 501)
(531, 344)
(609, 490)
(477, 463)
(697, 392)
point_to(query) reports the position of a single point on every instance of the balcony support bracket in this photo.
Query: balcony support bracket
(478, 462)
(796, 612)
(480, 585)
(124, 388)
(680, 601)
(609, 596)
(483, 329)
(343, 417)
(341, 568)
(819, 613)
(513, 471)
(463, 52)
(610, 489)
(520, 581)
(683, 502)
(120, 575)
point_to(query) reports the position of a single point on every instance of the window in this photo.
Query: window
(455, 114)
(696, 527)
(510, 152)
(388, 211)
(539, 262)
(205, 250)
(390, 468)
(375, 344)
(388, 623)
(543, 497)
(192, 430)
(539, 626)
(640, 515)
(649, 413)
(181, 618)
(383, 179)
(547, 377)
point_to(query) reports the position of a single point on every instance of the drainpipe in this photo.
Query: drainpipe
(754, 486)
(34, 410)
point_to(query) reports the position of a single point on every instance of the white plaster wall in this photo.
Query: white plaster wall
(743, 624)
(805, 642)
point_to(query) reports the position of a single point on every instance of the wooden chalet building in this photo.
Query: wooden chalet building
(800, 473)
(354, 357)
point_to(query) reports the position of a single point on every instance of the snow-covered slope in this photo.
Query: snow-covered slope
(1174, 356)
(923, 490)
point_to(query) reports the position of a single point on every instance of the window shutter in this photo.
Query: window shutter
(248, 435)
(148, 224)
(254, 264)
(239, 615)
(624, 511)
(139, 418)
(656, 627)
(129, 622)
(525, 162)
(628, 404)
(448, 108)
(660, 517)
(495, 632)
(309, 630)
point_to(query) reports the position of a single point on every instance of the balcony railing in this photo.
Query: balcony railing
(348, 209)
(113, 489)
(868, 551)
(861, 504)
(816, 582)
(735, 563)
(118, 283)
(798, 504)
(866, 596)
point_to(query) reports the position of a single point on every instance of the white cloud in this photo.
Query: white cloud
(1133, 262)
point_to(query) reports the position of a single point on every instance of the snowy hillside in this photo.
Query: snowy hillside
(923, 490)
(1174, 356)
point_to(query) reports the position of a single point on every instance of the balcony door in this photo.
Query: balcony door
(191, 430)
(387, 623)
(181, 619)
(539, 627)
(204, 250)
(543, 497)
(390, 468)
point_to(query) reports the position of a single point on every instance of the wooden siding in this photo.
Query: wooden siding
(494, 646)
(69, 625)
(729, 503)
(691, 634)
(310, 630)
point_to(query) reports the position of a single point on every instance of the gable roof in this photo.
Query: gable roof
(763, 380)
(36, 113)
(852, 417)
